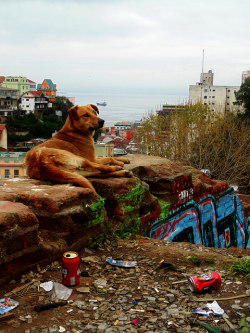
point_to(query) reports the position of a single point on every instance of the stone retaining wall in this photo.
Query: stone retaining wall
(39, 221)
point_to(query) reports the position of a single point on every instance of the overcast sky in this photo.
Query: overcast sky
(125, 45)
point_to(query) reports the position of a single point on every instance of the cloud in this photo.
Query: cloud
(147, 44)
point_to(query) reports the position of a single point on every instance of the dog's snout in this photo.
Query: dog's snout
(100, 122)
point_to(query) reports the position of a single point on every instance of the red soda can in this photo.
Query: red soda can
(71, 268)
(205, 281)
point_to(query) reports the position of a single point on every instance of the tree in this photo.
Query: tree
(195, 136)
(62, 103)
(243, 97)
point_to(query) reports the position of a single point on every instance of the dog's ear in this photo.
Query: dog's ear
(73, 115)
(94, 107)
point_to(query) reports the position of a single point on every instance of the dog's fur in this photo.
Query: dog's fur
(69, 156)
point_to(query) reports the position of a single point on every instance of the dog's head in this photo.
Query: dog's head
(85, 118)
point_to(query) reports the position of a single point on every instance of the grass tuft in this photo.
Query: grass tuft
(241, 266)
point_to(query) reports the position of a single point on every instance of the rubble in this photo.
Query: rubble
(147, 298)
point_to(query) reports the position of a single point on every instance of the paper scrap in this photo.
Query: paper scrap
(47, 286)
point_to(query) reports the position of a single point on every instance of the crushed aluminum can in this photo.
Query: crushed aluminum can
(205, 281)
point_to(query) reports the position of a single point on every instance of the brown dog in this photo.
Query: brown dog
(69, 156)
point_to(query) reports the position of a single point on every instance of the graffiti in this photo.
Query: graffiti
(212, 222)
(185, 196)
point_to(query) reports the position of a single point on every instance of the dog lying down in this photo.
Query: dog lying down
(69, 156)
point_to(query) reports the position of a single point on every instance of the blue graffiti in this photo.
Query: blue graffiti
(219, 223)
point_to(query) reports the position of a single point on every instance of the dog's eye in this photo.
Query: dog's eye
(85, 115)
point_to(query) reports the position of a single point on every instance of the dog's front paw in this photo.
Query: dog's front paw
(128, 173)
(116, 168)
(126, 161)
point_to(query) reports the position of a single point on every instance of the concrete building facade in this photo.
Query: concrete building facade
(245, 74)
(220, 99)
(32, 101)
(8, 102)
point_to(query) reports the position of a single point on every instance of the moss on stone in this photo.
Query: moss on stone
(97, 212)
(164, 205)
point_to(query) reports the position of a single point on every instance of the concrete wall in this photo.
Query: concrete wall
(3, 138)
(220, 99)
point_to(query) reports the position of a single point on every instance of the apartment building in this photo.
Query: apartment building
(245, 74)
(19, 83)
(8, 102)
(34, 101)
(220, 99)
(12, 165)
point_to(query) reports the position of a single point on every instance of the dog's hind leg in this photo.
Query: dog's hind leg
(58, 175)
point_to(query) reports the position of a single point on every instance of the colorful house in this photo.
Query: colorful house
(2, 78)
(32, 85)
(34, 101)
(48, 88)
(12, 165)
(19, 83)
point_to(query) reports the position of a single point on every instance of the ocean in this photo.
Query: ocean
(125, 106)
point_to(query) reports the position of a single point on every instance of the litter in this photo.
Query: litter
(83, 290)
(214, 309)
(100, 283)
(121, 263)
(205, 281)
(7, 304)
(61, 292)
(134, 321)
(43, 307)
(47, 286)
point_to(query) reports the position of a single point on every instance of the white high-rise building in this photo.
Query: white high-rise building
(220, 99)
(245, 74)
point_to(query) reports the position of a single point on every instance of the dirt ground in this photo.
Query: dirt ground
(162, 269)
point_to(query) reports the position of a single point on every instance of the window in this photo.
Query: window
(6, 173)
(27, 99)
(16, 173)
(205, 90)
(228, 97)
(205, 97)
(228, 90)
(213, 89)
(213, 96)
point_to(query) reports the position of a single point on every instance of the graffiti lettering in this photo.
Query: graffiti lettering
(212, 222)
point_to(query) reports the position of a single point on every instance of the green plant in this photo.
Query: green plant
(196, 136)
(195, 260)
(97, 241)
(241, 266)
(209, 261)
(244, 328)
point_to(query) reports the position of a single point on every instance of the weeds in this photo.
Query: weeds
(209, 261)
(195, 260)
(241, 266)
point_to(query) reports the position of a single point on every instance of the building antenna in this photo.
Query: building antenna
(202, 61)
